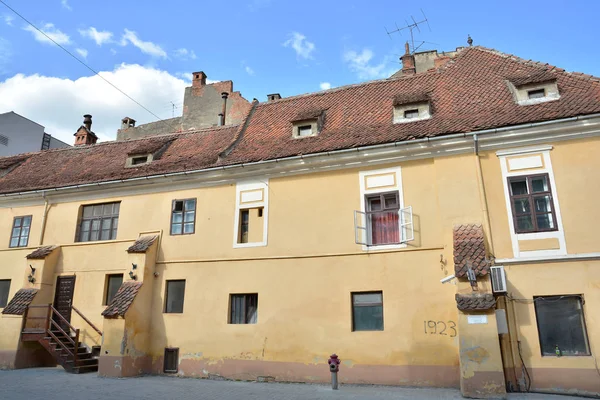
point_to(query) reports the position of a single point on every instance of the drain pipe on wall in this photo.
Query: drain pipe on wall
(482, 195)
(44, 218)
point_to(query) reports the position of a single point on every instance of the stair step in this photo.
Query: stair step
(85, 368)
(85, 362)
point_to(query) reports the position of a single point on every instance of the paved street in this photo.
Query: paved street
(54, 383)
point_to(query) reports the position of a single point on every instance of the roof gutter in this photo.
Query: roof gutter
(301, 157)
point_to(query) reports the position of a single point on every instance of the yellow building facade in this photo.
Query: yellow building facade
(382, 254)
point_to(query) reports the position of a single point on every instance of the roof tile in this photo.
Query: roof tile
(122, 300)
(469, 249)
(142, 244)
(20, 302)
(41, 252)
(475, 301)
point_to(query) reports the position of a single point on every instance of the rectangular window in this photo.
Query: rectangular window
(382, 210)
(561, 326)
(408, 114)
(536, 94)
(139, 160)
(367, 311)
(4, 289)
(171, 360)
(174, 296)
(99, 222)
(113, 283)
(19, 236)
(305, 130)
(532, 206)
(183, 217)
(243, 308)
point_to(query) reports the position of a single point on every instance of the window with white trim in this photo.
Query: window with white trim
(250, 229)
(383, 220)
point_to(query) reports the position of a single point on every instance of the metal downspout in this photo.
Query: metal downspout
(44, 218)
(482, 196)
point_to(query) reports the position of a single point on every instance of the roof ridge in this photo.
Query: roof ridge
(533, 63)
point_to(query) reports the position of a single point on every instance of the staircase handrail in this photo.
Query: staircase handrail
(98, 331)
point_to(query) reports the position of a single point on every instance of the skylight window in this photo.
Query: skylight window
(536, 93)
(304, 130)
(138, 160)
(409, 114)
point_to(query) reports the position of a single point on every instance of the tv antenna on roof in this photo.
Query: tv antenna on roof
(411, 28)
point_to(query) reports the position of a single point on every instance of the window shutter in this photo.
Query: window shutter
(360, 228)
(406, 224)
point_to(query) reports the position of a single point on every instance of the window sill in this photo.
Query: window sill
(254, 244)
(378, 247)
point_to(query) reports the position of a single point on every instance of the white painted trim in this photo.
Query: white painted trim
(523, 150)
(516, 237)
(243, 186)
(397, 171)
(565, 257)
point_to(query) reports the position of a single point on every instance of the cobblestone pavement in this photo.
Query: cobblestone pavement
(55, 383)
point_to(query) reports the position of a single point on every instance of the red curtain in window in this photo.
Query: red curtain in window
(384, 227)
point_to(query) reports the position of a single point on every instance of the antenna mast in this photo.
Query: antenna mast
(411, 27)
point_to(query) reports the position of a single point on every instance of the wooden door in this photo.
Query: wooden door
(63, 297)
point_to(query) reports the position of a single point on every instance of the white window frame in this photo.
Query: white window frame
(363, 175)
(523, 170)
(261, 201)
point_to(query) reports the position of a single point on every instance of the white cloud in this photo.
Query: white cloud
(146, 47)
(49, 29)
(82, 52)
(361, 63)
(100, 37)
(185, 54)
(249, 70)
(325, 85)
(59, 104)
(8, 19)
(301, 46)
(65, 4)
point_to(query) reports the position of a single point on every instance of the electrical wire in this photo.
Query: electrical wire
(81, 62)
(524, 367)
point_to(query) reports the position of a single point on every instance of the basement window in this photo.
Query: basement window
(174, 295)
(113, 283)
(4, 289)
(171, 360)
(561, 326)
(243, 308)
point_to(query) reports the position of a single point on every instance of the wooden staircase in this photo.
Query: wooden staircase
(60, 339)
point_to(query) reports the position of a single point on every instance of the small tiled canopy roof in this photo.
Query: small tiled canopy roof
(41, 252)
(142, 244)
(122, 300)
(469, 250)
(526, 79)
(468, 93)
(475, 302)
(20, 301)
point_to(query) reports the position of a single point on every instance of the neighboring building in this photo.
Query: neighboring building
(204, 105)
(325, 223)
(21, 135)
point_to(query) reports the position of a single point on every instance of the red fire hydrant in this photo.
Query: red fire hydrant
(334, 367)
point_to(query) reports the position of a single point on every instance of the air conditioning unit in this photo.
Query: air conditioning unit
(498, 278)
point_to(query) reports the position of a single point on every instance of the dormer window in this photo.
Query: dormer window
(409, 114)
(304, 130)
(536, 93)
(534, 89)
(138, 160)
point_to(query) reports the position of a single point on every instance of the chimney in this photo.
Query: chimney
(224, 96)
(198, 79)
(273, 96)
(408, 62)
(84, 134)
(220, 119)
(87, 121)
(127, 123)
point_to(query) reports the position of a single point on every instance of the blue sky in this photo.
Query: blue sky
(265, 46)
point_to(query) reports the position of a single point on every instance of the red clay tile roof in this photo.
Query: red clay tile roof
(475, 301)
(142, 244)
(41, 252)
(20, 302)
(469, 250)
(408, 98)
(526, 79)
(123, 299)
(106, 161)
(466, 94)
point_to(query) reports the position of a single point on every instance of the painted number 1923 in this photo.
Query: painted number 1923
(440, 328)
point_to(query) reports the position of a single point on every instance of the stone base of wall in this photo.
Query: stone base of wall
(484, 385)
(404, 375)
(33, 355)
(123, 366)
(573, 381)
(7, 359)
